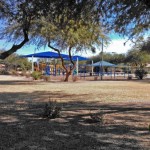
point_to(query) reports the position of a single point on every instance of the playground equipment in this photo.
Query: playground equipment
(48, 69)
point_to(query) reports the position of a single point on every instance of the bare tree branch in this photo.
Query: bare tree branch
(58, 51)
(71, 58)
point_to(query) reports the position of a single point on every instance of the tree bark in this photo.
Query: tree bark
(15, 47)
(68, 71)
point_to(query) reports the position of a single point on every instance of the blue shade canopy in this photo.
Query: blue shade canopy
(55, 55)
(104, 64)
(76, 57)
(46, 55)
(80, 58)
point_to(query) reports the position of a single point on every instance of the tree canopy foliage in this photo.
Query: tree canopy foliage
(20, 19)
(137, 58)
(145, 46)
(110, 57)
(76, 33)
(130, 18)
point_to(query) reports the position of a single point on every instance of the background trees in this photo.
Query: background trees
(137, 58)
(110, 57)
(14, 61)
(145, 45)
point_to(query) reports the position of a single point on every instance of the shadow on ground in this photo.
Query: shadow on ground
(23, 128)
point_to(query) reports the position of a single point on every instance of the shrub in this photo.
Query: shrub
(140, 73)
(52, 110)
(96, 117)
(4, 72)
(36, 75)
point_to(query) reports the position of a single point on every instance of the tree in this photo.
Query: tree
(137, 58)
(74, 26)
(14, 61)
(130, 18)
(110, 57)
(16, 24)
(17, 18)
(145, 45)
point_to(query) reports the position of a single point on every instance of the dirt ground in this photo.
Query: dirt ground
(125, 106)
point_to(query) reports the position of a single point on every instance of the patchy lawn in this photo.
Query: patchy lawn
(125, 105)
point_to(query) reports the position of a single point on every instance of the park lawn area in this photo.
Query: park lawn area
(125, 106)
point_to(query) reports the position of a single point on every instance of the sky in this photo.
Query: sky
(116, 46)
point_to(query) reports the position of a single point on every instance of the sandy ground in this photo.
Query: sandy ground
(125, 106)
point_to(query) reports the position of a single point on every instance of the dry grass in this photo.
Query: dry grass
(125, 104)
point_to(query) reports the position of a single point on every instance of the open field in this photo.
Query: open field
(125, 105)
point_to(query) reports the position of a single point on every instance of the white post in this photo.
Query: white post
(32, 64)
(92, 67)
(77, 66)
(102, 61)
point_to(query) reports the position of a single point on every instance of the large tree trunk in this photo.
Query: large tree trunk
(68, 73)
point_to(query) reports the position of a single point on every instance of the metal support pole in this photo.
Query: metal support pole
(77, 66)
(115, 73)
(92, 67)
(102, 61)
(32, 65)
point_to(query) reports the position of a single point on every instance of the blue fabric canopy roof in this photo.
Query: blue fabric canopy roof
(55, 55)
(104, 64)
(46, 55)
(80, 58)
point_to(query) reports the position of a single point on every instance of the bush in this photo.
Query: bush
(96, 117)
(36, 75)
(4, 72)
(140, 73)
(52, 110)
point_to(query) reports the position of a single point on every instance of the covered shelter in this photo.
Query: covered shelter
(104, 64)
(100, 68)
(55, 55)
(46, 55)
(114, 68)
(77, 59)
(101, 65)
